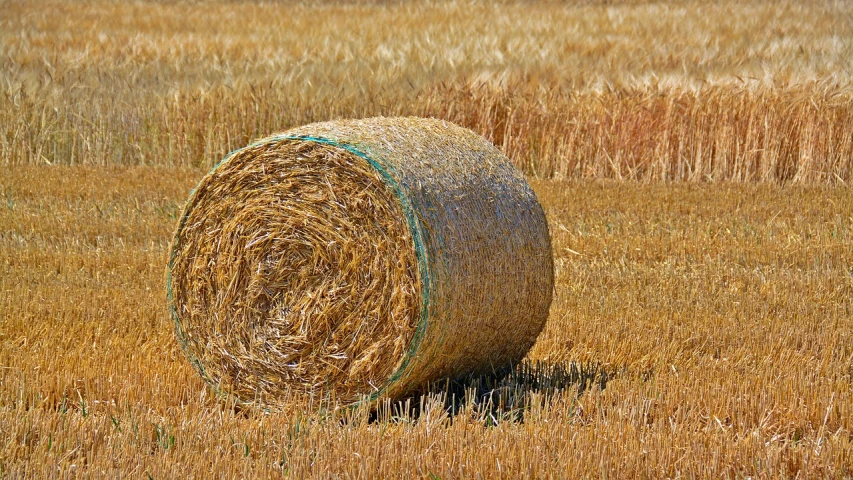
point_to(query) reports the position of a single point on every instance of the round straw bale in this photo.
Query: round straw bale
(359, 259)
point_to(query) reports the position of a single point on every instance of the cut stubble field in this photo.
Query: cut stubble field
(720, 315)
(694, 173)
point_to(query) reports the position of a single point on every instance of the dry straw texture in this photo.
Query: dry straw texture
(721, 305)
(359, 258)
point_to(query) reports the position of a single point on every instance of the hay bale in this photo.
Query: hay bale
(359, 258)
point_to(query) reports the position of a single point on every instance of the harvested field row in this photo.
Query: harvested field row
(719, 313)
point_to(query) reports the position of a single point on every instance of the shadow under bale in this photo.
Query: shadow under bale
(502, 396)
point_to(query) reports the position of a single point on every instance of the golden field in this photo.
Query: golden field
(692, 158)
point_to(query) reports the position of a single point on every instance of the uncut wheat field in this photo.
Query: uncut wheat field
(694, 161)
